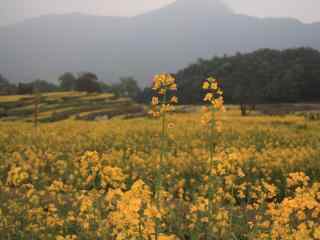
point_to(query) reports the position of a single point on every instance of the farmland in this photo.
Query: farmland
(58, 106)
(76, 179)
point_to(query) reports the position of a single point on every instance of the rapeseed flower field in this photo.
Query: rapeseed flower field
(211, 174)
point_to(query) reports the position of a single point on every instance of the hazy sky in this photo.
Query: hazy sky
(16, 10)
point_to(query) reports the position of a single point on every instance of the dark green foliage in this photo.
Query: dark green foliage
(87, 82)
(25, 88)
(44, 86)
(264, 76)
(67, 81)
(104, 87)
(6, 88)
(127, 87)
(145, 95)
(37, 85)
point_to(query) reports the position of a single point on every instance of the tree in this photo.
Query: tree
(6, 87)
(87, 82)
(104, 87)
(25, 88)
(44, 86)
(67, 81)
(145, 95)
(128, 87)
(263, 76)
(3, 81)
(36, 85)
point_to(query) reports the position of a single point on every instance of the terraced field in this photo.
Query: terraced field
(63, 105)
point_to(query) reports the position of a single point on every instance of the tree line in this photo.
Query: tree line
(262, 76)
(82, 82)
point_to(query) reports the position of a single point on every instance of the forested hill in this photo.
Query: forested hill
(262, 76)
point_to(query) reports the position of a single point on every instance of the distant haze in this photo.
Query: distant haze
(12, 11)
(165, 39)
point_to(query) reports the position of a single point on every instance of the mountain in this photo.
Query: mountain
(166, 39)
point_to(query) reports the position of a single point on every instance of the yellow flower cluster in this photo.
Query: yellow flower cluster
(68, 237)
(17, 176)
(164, 82)
(134, 213)
(95, 173)
(198, 218)
(214, 95)
(297, 217)
(164, 85)
(98, 180)
(296, 179)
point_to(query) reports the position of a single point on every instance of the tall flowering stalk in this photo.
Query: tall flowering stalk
(164, 86)
(36, 103)
(213, 96)
(37, 97)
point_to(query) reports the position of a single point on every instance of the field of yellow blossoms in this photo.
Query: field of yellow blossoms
(126, 179)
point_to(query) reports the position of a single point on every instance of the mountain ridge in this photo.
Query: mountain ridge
(166, 39)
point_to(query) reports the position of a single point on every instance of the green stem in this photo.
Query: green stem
(140, 226)
(211, 177)
(162, 158)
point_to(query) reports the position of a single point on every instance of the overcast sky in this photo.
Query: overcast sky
(17, 10)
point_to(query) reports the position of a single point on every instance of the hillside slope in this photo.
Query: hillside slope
(58, 106)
